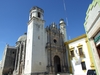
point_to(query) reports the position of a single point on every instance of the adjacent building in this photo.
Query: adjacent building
(80, 55)
(92, 28)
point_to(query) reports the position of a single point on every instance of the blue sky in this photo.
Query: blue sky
(14, 15)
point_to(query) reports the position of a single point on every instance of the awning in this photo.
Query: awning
(97, 37)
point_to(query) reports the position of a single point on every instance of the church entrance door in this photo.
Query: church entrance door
(57, 65)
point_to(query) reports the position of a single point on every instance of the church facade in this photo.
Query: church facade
(39, 52)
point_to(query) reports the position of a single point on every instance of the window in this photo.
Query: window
(83, 65)
(13, 52)
(39, 15)
(55, 41)
(38, 37)
(80, 51)
(31, 15)
(72, 53)
(39, 63)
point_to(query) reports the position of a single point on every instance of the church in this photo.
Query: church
(40, 51)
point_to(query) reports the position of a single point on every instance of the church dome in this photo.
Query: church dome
(23, 37)
(61, 20)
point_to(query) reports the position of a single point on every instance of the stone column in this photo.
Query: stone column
(48, 53)
(63, 61)
(48, 59)
(16, 59)
(50, 67)
(23, 58)
(63, 58)
(48, 49)
(19, 57)
(24, 52)
(47, 36)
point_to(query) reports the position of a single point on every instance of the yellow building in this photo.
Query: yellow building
(80, 55)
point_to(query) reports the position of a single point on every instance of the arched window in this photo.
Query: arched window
(39, 15)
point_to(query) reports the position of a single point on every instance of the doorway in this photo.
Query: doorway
(98, 50)
(57, 64)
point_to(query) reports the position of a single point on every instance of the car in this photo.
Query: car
(91, 72)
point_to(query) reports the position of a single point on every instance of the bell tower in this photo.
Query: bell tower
(36, 12)
(63, 29)
(35, 60)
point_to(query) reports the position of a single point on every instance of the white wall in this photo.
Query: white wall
(92, 15)
(36, 60)
(77, 69)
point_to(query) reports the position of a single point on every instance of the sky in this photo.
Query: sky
(14, 16)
